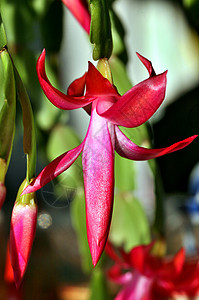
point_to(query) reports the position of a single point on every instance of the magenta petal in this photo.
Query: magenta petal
(139, 288)
(147, 64)
(126, 148)
(137, 105)
(97, 85)
(53, 169)
(58, 98)
(98, 169)
(76, 88)
(22, 233)
(79, 8)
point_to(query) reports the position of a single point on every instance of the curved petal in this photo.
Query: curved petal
(76, 88)
(98, 170)
(126, 148)
(147, 64)
(137, 105)
(58, 98)
(53, 169)
(97, 85)
(79, 9)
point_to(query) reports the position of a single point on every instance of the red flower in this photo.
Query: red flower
(146, 276)
(108, 109)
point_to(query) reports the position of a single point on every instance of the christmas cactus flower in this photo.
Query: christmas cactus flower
(107, 110)
(146, 275)
(22, 232)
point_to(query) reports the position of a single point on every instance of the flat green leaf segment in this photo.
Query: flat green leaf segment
(3, 39)
(7, 105)
(100, 30)
(129, 223)
(99, 286)
(79, 223)
(29, 138)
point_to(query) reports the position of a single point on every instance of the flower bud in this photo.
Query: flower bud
(22, 232)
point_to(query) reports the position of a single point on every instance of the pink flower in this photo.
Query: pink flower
(22, 233)
(79, 8)
(146, 276)
(108, 109)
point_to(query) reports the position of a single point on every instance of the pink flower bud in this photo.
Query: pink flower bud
(22, 233)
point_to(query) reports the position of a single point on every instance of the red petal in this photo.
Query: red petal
(168, 269)
(79, 8)
(76, 88)
(178, 260)
(137, 257)
(58, 98)
(98, 169)
(53, 169)
(137, 105)
(147, 64)
(97, 85)
(126, 148)
(112, 253)
(8, 275)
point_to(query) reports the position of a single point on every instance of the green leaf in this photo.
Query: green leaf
(100, 31)
(29, 138)
(129, 226)
(78, 216)
(7, 105)
(62, 139)
(3, 39)
(99, 289)
(125, 171)
(120, 78)
(125, 174)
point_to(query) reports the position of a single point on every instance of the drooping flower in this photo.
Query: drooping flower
(22, 232)
(147, 276)
(108, 109)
